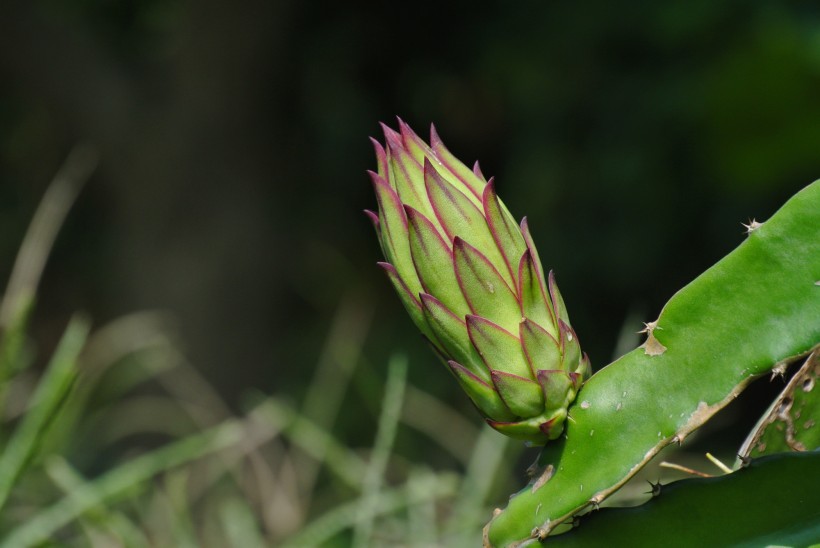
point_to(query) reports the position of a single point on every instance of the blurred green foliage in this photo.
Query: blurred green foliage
(232, 137)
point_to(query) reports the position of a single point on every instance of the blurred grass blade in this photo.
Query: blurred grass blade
(31, 259)
(629, 335)
(111, 521)
(314, 441)
(488, 453)
(117, 357)
(385, 502)
(175, 497)
(386, 434)
(422, 528)
(240, 524)
(443, 424)
(18, 299)
(44, 524)
(741, 504)
(47, 399)
(12, 345)
(327, 388)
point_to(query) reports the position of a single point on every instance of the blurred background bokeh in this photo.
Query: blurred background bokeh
(232, 139)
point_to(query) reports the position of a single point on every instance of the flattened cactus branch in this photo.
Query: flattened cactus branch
(756, 308)
(473, 284)
(731, 510)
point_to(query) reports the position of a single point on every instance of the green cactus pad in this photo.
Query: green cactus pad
(732, 510)
(754, 309)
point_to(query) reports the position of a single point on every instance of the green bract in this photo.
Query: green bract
(473, 284)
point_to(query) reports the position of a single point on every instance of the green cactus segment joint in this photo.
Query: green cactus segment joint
(473, 284)
(752, 311)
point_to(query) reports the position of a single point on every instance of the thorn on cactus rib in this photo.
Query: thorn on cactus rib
(649, 327)
(779, 370)
(541, 532)
(656, 488)
(752, 226)
(652, 346)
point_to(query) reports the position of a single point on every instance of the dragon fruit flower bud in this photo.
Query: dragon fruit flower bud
(472, 281)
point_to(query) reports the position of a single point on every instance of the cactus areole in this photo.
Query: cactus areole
(472, 281)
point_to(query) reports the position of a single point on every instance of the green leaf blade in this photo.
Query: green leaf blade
(46, 401)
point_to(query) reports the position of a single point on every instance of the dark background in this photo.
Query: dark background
(233, 143)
